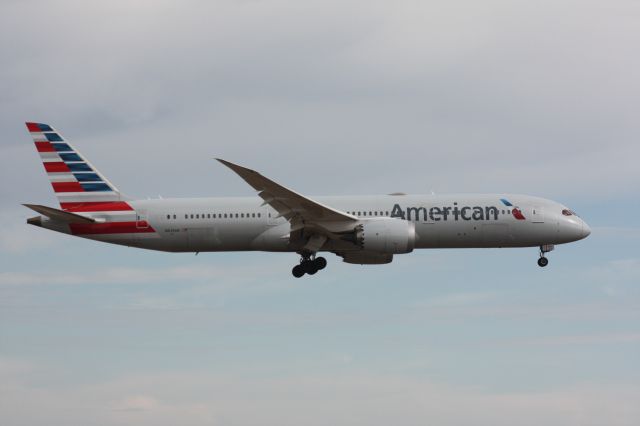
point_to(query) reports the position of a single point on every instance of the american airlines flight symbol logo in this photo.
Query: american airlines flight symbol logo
(517, 213)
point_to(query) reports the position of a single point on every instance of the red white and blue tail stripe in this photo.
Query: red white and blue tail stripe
(82, 189)
(76, 182)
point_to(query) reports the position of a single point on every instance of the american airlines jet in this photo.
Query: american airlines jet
(360, 229)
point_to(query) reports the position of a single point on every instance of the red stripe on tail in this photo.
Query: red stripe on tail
(33, 127)
(44, 147)
(56, 167)
(67, 187)
(96, 206)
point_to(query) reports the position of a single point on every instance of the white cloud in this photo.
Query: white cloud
(137, 403)
(17, 240)
(371, 399)
(614, 273)
(11, 368)
(227, 275)
(456, 300)
(595, 339)
(616, 232)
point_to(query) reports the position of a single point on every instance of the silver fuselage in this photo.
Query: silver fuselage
(246, 223)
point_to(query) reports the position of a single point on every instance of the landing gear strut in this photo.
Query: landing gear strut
(309, 264)
(545, 248)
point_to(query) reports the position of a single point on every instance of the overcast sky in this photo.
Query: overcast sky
(326, 97)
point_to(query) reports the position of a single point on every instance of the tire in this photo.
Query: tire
(309, 267)
(542, 262)
(298, 271)
(321, 263)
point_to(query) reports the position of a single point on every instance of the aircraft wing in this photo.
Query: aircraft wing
(289, 204)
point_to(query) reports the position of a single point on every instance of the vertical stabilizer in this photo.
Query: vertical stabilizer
(75, 181)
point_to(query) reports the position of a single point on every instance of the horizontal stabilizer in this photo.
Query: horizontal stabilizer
(59, 215)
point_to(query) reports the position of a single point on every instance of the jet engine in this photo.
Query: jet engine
(386, 235)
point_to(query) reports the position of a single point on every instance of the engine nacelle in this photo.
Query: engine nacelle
(386, 235)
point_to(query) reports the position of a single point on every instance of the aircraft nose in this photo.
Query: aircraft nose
(586, 231)
(573, 228)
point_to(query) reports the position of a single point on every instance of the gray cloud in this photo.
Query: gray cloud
(377, 96)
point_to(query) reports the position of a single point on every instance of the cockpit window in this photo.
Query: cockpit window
(568, 212)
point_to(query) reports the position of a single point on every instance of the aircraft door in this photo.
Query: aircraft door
(537, 214)
(141, 219)
(271, 217)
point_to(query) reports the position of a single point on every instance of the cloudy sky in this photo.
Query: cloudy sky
(327, 97)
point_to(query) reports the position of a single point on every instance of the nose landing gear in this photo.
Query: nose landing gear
(545, 248)
(309, 264)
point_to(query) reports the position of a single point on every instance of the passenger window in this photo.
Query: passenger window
(258, 214)
(253, 215)
(225, 215)
(174, 216)
(192, 216)
(168, 216)
(236, 215)
(242, 215)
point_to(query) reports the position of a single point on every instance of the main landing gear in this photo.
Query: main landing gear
(545, 248)
(309, 265)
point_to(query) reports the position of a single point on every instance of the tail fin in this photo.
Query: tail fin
(75, 181)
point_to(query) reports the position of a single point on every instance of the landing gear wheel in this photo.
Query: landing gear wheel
(310, 267)
(321, 263)
(309, 264)
(298, 271)
(543, 261)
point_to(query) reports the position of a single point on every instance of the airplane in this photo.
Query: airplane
(361, 230)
